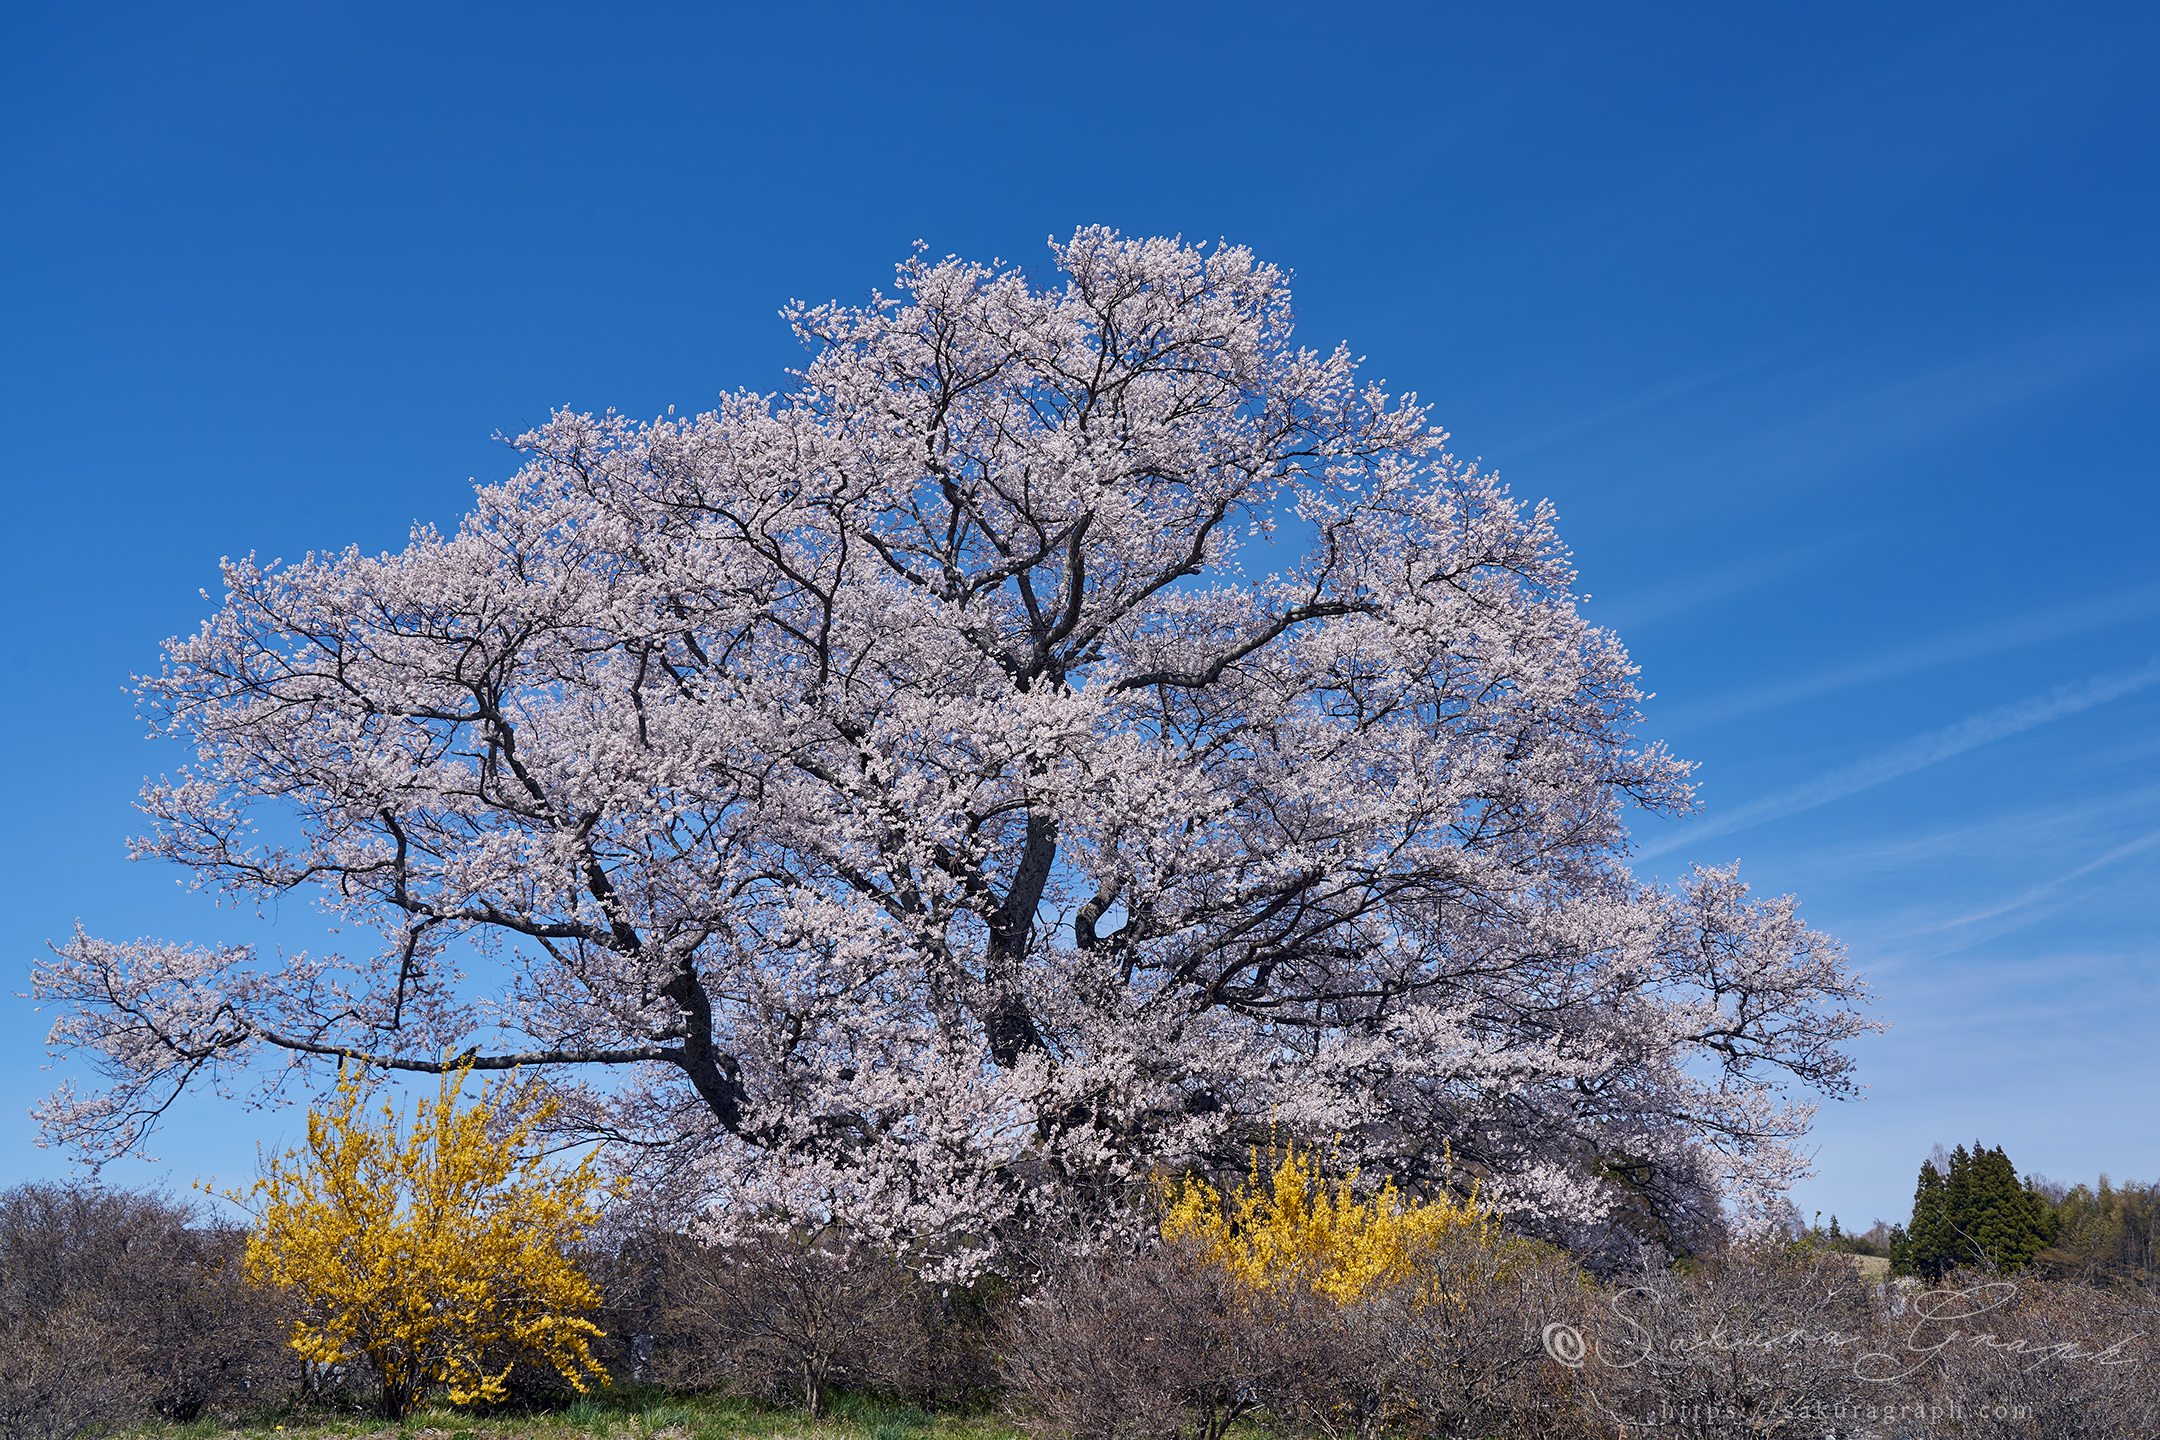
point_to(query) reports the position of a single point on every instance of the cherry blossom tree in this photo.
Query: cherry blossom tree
(905, 799)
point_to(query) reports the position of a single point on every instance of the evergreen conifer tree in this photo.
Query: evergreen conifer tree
(1958, 1209)
(1975, 1214)
(2010, 1224)
(1926, 1238)
(2045, 1219)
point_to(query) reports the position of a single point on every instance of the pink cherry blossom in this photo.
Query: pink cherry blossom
(901, 800)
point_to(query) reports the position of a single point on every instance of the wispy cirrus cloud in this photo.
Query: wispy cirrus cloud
(2056, 623)
(2055, 829)
(1632, 612)
(1598, 417)
(1879, 416)
(1923, 750)
(2046, 895)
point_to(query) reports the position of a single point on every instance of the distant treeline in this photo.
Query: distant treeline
(1971, 1210)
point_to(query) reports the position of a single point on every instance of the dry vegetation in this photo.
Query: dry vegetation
(114, 1307)
(127, 1312)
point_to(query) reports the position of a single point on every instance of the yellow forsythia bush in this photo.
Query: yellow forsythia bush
(438, 1256)
(1294, 1226)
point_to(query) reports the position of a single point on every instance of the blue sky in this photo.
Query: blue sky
(1834, 334)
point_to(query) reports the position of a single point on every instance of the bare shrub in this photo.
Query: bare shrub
(57, 1376)
(1335, 1370)
(665, 1319)
(146, 1287)
(2014, 1357)
(1118, 1346)
(1475, 1345)
(1780, 1338)
(1151, 1346)
(1743, 1344)
(961, 1325)
(792, 1314)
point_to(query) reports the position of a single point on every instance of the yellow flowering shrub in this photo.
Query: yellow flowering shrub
(436, 1256)
(1294, 1226)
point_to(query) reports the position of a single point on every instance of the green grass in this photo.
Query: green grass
(625, 1413)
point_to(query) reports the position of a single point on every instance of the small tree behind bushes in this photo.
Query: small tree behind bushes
(1297, 1228)
(117, 1307)
(437, 1258)
(794, 1313)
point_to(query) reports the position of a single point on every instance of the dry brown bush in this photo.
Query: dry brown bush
(1117, 1346)
(1474, 1340)
(1777, 1339)
(57, 1376)
(1738, 1345)
(2006, 1358)
(143, 1292)
(793, 1315)
(1151, 1346)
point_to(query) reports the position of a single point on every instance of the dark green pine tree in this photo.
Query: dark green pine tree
(1975, 1214)
(1942, 1240)
(1958, 1248)
(1925, 1250)
(2009, 1223)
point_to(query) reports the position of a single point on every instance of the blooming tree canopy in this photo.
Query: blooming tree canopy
(899, 799)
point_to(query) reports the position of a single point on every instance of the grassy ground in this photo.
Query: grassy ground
(626, 1414)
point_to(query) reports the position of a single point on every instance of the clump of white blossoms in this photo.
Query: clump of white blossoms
(898, 800)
